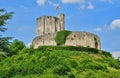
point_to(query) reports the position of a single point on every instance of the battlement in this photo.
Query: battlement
(49, 24)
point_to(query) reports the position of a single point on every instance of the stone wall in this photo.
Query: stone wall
(45, 40)
(49, 24)
(85, 39)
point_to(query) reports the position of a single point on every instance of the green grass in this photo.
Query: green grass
(60, 62)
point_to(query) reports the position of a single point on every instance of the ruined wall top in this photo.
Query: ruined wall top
(49, 24)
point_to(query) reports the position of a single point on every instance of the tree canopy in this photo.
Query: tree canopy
(16, 46)
(4, 16)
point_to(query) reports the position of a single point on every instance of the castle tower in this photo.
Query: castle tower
(49, 24)
(61, 21)
(40, 23)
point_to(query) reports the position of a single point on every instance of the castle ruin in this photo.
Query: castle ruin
(48, 26)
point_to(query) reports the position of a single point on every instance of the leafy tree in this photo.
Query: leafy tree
(118, 58)
(16, 46)
(4, 41)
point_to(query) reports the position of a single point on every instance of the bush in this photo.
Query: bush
(3, 55)
(71, 75)
(115, 64)
(74, 64)
(61, 70)
(61, 37)
(16, 46)
(89, 64)
(71, 48)
(58, 61)
(106, 53)
(74, 48)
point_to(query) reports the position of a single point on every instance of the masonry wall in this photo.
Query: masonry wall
(46, 40)
(49, 24)
(83, 39)
(74, 39)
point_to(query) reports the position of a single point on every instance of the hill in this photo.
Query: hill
(60, 62)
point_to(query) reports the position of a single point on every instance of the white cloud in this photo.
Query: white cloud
(98, 29)
(115, 24)
(116, 54)
(41, 2)
(83, 4)
(52, 3)
(85, 1)
(90, 6)
(108, 1)
(73, 1)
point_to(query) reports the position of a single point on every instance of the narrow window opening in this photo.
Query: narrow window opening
(96, 43)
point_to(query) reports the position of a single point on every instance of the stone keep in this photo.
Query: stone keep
(48, 26)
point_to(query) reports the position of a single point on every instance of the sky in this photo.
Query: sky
(101, 17)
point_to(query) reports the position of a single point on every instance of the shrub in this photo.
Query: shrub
(73, 48)
(106, 53)
(16, 46)
(115, 64)
(61, 70)
(89, 64)
(61, 37)
(74, 64)
(3, 55)
(71, 75)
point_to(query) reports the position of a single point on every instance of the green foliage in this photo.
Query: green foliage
(4, 44)
(3, 55)
(74, 64)
(59, 62)
(89, 64)
(106, 53)
(4, 41)
(71, 76)
(75, 48)
(61, 37)
(115, 64)
(61, 70)
(15, 47)
(4, 16)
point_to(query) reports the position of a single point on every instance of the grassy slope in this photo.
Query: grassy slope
(52, 62)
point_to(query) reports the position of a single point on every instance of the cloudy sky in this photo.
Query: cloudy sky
(101, 17)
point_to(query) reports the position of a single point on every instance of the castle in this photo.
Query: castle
(48, 26)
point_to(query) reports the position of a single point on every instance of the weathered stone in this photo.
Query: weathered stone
(85, 39)
(48, 26)
(45, 40)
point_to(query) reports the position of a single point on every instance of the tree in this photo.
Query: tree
(4, 41)
(16, 46)
(118, 58)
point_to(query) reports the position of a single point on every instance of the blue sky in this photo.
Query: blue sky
(101, 17)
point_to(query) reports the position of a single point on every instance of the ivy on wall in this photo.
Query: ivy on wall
(61, 36)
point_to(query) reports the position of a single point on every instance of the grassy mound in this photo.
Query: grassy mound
(60, 62)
